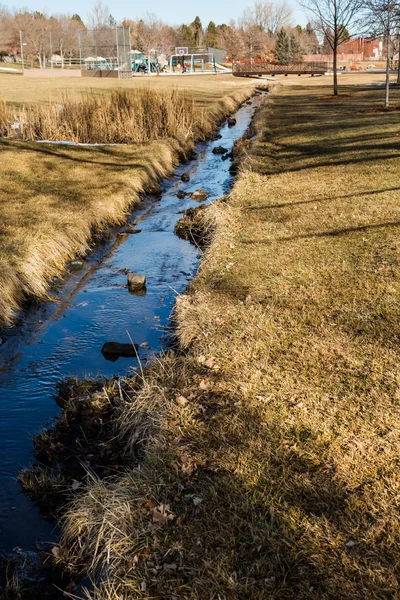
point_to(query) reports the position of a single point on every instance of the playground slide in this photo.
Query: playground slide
(223, 68)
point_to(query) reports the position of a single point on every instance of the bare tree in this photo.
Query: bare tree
(35, 32)
(382, 19)
(65, 40)
(334, 19)
(231, 40)
(253, 39)
(268, 16)
(151, 33)
(99, 18)
(8, 41)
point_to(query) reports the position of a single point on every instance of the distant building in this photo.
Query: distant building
(355, 50)
(369, 49)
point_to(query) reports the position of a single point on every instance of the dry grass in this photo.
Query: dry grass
(271, 446)
(53, 197)
(18, 90)
(123, 117)
(52, 200)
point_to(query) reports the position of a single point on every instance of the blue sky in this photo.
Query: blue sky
(172, 11)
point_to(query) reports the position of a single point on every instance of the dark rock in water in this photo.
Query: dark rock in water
(233, 169)
(231, 122)
(181, 194)
(113, 350)
(220, 150)
(199, 195)
(136, 281)
(218, 136)
(185, 177)
(132, 230)
(249, 103)
(136, 292)
(227, 156)
(75, 265)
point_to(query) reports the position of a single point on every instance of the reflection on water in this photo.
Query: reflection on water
(96, 307)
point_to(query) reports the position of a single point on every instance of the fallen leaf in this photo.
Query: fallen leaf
(182, 401)
(76, 484)
(162, 514)
(203, 385)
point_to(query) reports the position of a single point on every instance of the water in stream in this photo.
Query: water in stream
(94, 307)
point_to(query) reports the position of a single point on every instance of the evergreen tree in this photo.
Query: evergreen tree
(197, 29)
(212, 34)
(185, 36)
(295, 50)
(111, 21)
(76, 18)
(345, 34)
(283, 47)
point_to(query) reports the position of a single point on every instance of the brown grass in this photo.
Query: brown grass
(18, 90)
(270, 448)
(122, 117)
(54, 197)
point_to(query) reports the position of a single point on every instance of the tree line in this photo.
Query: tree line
(264, 30)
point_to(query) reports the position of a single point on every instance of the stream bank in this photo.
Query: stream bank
(99, 309)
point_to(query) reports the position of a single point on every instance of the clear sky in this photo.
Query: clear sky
(172, 11)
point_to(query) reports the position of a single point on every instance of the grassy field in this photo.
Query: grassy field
(18, 90)
(54, 197)
(268, 450)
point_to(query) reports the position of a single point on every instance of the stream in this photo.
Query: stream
(63, 338)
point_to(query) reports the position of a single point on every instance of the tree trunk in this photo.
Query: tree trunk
(335, 82)
(335, 47)
(398, 59)
(387, 72)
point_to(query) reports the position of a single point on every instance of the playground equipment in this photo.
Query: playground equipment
(192, 59)
(100, 64)
(141, 63)
(178, 62)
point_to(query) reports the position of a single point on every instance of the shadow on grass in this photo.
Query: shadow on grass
(329, 233)
(318, 200)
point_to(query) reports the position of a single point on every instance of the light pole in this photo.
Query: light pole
(22, 50)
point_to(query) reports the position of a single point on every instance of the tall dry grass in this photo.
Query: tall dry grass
(123, 117)
(5, 119)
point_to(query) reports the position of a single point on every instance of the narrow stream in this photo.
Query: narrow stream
(94, 307)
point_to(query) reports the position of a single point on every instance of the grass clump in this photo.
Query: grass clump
(193, 227)
(80, 445)
(269, 448)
